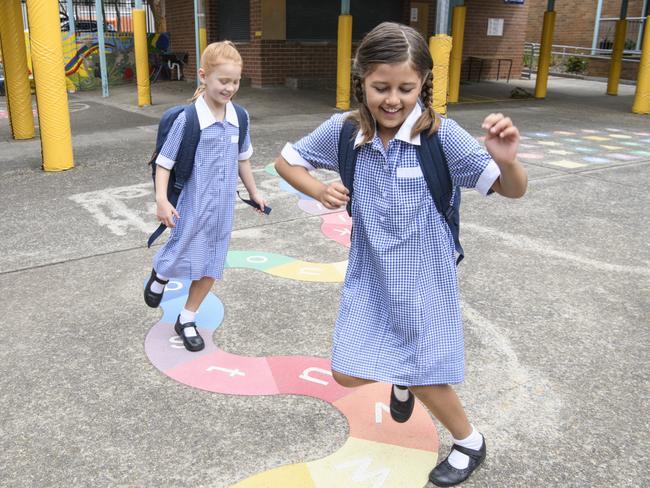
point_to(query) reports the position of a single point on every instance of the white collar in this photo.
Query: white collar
(404, 132)
(206, 118)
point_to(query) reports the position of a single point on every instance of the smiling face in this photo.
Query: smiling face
(221, 82)
(391, 92)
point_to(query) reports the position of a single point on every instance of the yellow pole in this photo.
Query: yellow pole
(344, 61)
(545, 54)
(141, 57)
(440, 48)
(203, 33)
(617, 58)
(457, 35)
(641, 103)
(19, 96)
(49, 79)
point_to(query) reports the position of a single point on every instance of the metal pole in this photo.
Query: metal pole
(197, 39)
(70, 12)
(345, 7)
(442, 17)
(599, 11)
(99, 16)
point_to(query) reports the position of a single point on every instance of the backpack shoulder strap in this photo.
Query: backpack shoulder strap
(187, 150)
(242, 118)
(436, 173)
(347, 156)
(184, 162)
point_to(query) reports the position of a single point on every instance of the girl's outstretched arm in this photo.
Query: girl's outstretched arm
(502, 141)
(247, 178)
(331, 196)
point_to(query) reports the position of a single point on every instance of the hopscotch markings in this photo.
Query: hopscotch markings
(361, 463)
(290, 476)
(305, 375)
(165, 349)
(528, 244)
(338, 227)
(108, 207)
(380, 409)
(221, 372)
(362, 410)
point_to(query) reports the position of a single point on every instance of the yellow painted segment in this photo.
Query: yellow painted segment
(141, 57)
(440, 47)
(19, 96)
(292, 476)
(343, 62)
(544, 61)
(617, 58)
(458, 36)
(641, 103)
(49, 79)
(366, 464)
(304, 271)
(565, 163)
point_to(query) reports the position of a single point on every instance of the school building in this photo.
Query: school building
(295, 41)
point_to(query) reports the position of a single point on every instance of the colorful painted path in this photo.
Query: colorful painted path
(378, 453)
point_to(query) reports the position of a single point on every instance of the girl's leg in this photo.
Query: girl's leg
(185, 325)
(442, 401)
(199, 289)
(350, 381)
(469, 446)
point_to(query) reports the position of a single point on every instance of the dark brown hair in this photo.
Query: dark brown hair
(392, 43)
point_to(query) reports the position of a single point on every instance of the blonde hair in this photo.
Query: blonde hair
(213, 55)
(392, 43)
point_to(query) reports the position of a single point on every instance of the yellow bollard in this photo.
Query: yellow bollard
(19, 96)
(641, 103)
(545, 49)
(457, 35)
(141, 57)
(440, 48)
(617, 58)
(49, 78)
(344, 61)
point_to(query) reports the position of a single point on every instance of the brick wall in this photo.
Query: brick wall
(180, 24)
(574, 21)
(478, 43)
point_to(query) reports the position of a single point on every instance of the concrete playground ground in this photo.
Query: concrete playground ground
(555, 296)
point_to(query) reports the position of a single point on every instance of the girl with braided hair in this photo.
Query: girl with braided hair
(400, 319)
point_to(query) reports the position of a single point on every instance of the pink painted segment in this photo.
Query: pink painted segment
(313, 207)
(222, 372)
(370, 421)
(338, 227)
(304, 375)
(165, 349)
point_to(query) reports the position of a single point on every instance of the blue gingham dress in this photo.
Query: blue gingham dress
(198, 244)
(399, 319)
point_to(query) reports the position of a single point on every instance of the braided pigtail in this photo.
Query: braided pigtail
(429, 120)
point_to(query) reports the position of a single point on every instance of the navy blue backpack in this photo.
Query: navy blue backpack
(434, 169)
(182, 169)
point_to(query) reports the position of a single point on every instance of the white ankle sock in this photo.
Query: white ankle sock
(401, 393)
(158, 287)
(473, 441)
(185, 317)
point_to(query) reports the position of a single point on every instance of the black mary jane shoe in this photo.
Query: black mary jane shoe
(191, 343)
(401, 411)
(150, 298)
(446, 475)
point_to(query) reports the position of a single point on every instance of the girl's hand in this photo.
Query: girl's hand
(257, 198)
(502, 138)
(165, 211)
(334, 195)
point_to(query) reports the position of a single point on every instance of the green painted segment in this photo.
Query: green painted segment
(270, 169)
(256, 260)
(645, 154)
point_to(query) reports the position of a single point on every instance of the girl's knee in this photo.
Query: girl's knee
(349, 381)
